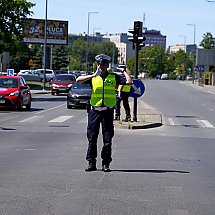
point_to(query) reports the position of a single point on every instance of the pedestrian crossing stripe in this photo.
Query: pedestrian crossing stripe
(61, 119)
(205, 124)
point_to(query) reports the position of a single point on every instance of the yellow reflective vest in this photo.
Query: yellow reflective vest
(103, 91)
(125, 88)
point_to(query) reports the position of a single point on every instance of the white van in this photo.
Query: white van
(164, 76)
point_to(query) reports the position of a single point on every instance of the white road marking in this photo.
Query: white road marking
(31, 119)
(177, 212)
(205, 124)
(171, 122)
(50, 109)
(61, 119)
(84, 120)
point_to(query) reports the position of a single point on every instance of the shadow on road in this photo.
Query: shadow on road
(54, 99)
(149, 171)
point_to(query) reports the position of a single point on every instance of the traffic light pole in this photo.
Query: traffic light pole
(137, 40)
(135, 77)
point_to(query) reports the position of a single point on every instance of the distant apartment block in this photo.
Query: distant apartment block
(154, 37)
(121, 41)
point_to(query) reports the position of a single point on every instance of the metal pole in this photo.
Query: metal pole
(88, 31)
(1, 58)
(44, 48)
(135, 77)
(194, 42)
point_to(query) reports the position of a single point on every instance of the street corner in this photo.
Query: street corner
(145, 121)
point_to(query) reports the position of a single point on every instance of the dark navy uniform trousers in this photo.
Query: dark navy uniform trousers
(95, 118)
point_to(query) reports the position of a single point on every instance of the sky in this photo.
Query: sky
(170, 17)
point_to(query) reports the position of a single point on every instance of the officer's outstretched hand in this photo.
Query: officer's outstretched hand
(97, 72)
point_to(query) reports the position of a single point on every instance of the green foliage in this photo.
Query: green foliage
(208, 41)
(11, 15)
(77, 53)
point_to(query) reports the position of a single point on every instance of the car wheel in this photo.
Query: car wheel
(28, 106)
(68, 105)
(20, 107)
(53, 93)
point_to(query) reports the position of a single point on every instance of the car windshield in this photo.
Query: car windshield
(77, 85)
(9, 83)
(64, 78)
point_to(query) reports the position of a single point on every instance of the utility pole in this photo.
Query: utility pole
(137, 40)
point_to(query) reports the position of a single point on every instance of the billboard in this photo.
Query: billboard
(56, 31)
(205, 57)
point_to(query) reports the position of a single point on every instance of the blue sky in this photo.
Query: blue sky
(117, 16)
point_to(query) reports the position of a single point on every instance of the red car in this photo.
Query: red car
(14, 93)
(62, 83)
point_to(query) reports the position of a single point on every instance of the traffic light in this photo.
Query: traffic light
(141, 41)
(137, 38)
(138, 28)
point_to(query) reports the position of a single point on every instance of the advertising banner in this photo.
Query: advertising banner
(56, 32)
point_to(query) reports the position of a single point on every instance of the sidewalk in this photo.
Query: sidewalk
(147, 117)
(207, 88)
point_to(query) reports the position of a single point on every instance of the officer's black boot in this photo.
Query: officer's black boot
(127, 119)
(106, 168)
(91, 167)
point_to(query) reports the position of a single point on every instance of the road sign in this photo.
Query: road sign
(137, 89)
(30, 62)
(10, 72)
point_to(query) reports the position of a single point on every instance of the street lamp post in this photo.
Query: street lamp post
(194, 32)
(88, 30)
(194, 42)
(45, 47)
(93, 45)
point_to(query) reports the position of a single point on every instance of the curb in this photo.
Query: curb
(154, 122)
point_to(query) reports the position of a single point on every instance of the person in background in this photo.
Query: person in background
(103, 101)
(123, 95)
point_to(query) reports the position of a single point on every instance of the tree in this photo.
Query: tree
(153, 60)
(11, 15)
(208, 41)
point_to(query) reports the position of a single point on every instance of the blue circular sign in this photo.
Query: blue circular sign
(137, 89)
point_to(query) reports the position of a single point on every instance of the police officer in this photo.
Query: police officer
(123, 95)
(103, 101)
(123, 92)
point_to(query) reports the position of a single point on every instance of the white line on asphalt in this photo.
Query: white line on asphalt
(50, 109)
(84, 120)
(61, 119)
(205, 124)
(177, 212)
(171, 122)
(30, 119)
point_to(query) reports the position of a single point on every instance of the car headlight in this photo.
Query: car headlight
(73, 95)
(69, 85)
(16, 93)
(55, 85)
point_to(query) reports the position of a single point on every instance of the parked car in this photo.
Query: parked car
(49, 74)
(14, 92)
(30, 75)
(79, 95)
(164, 76)
(189, 78)
(62, 83)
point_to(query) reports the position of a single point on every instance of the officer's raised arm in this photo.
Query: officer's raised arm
(83, 78)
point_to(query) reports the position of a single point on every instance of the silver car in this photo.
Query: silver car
(30, 75)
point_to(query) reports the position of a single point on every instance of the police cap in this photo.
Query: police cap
(102, 58)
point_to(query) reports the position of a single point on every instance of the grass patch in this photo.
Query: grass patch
(35, 85)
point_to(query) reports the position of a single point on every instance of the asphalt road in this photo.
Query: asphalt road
(161, 171)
